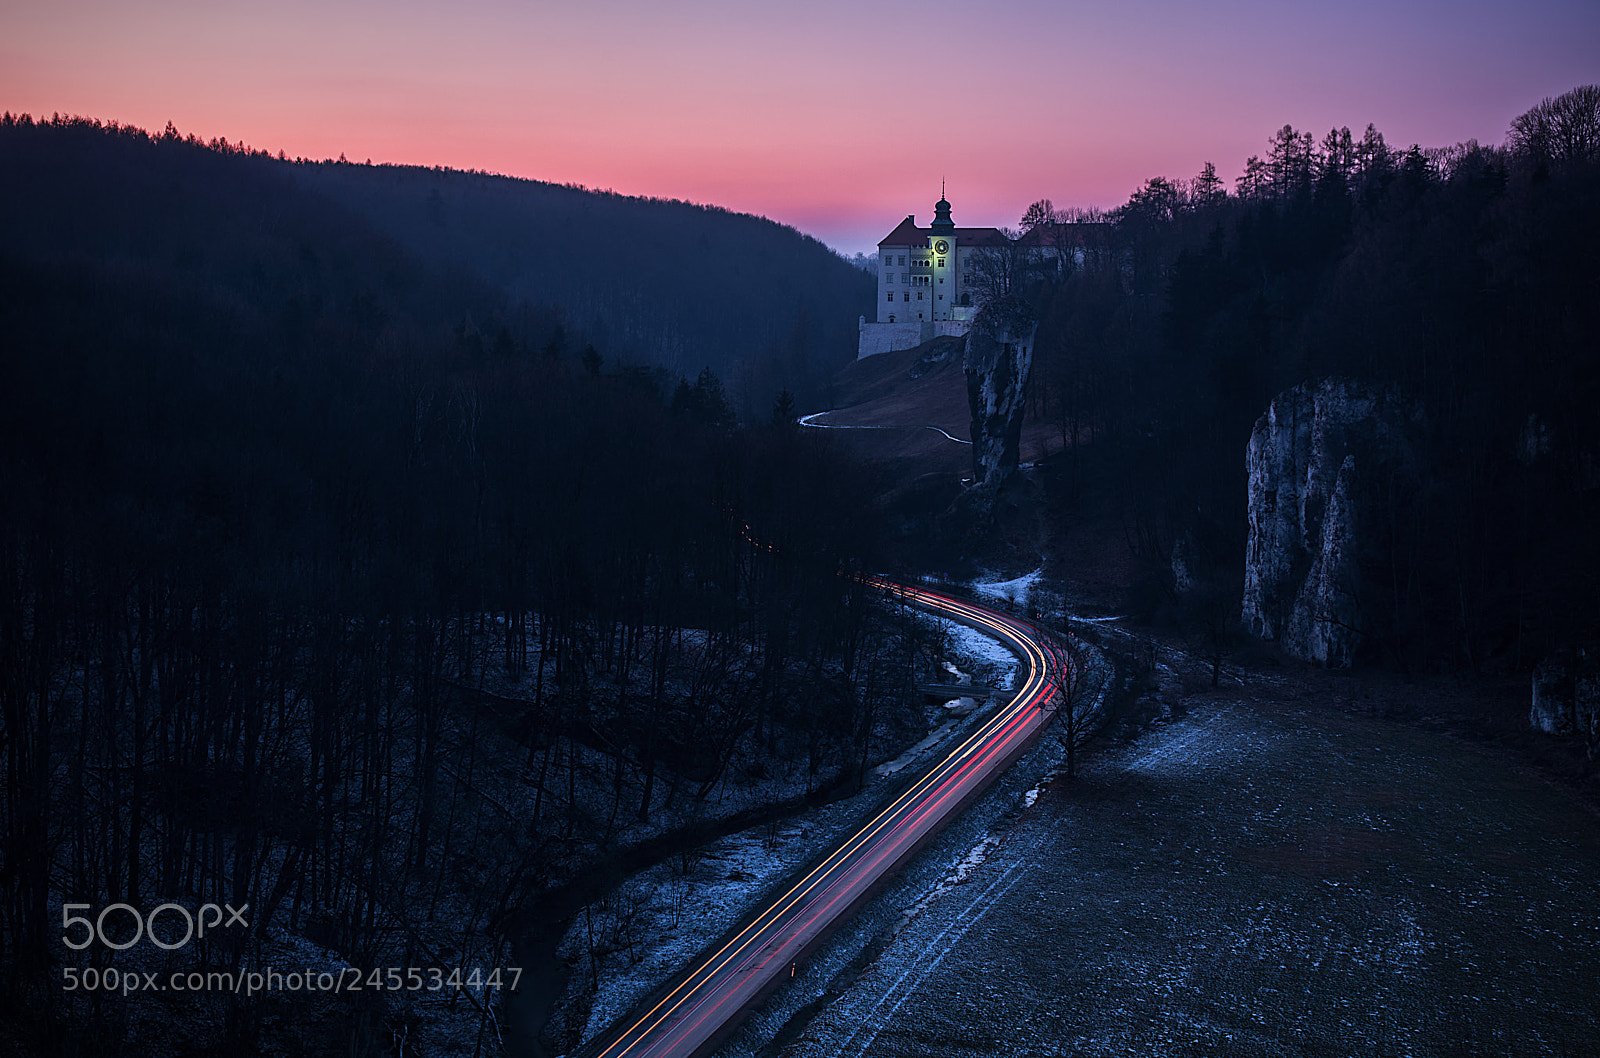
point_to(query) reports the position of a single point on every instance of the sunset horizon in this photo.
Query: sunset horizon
(838, 125)
(701, 531)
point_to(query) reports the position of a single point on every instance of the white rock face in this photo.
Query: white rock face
(1183, 564)
(1312, 461)
(998, 360)
(1566, 695)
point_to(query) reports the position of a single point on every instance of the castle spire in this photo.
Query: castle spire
(942, 224)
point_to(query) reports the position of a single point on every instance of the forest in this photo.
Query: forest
(1463, 278)
(662, 282)
(337, 583)
(392, 550)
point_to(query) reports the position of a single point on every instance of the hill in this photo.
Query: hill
(908, 411)
(649, 280)
(332, 584)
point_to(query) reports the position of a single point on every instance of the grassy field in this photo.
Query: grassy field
(1284, 869)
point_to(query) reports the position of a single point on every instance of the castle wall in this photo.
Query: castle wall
(894, 265)
(888, 337)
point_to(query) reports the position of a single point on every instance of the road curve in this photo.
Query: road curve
(703, 1003)
(807, 420)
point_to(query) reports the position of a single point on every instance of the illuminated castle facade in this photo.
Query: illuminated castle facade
(925, 282)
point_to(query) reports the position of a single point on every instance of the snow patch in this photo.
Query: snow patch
(1015, 590)
(971, 643)
(905, 759)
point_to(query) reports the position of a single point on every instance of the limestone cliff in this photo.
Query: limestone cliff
(1566, 695)
(1324, 465)
(998, 359)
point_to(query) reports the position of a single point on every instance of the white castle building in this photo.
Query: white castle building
(925, 279)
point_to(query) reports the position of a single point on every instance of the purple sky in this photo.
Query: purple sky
(838, 118)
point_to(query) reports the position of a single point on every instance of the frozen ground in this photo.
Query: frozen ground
(940, 873)
(983, 656)
(1014, 591)
(638, 935)
(1263, 877)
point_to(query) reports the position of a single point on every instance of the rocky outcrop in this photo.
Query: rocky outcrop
(1326, 462)
(1566, 695)
(998, 359)
(1183, 565)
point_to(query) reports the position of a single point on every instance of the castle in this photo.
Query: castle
(925, 282)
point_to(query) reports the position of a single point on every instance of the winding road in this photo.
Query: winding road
(810, 420)
(698, 1008)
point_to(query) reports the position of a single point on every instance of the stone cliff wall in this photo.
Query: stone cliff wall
(998, 360)
(1314, 460)
(1566, 695)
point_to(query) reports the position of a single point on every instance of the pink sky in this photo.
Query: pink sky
(837, 118)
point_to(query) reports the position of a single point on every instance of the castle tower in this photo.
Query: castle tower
(923, 282)
(942, 260)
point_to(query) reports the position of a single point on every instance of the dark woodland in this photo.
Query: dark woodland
(381, 549)
(339, 583)
(1464, 279)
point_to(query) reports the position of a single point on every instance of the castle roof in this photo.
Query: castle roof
(906, 233)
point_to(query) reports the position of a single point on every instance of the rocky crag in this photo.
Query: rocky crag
(1566, 695)
(1326, 464)
(998, 359)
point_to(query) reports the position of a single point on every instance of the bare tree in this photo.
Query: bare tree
(1041, 212)
(1207, 189)
(1252, 183)
(1075, 707)
(1564, 130)
(997, 271)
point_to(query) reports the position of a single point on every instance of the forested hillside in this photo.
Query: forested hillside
(321, 592)
(1465, 279)
(648, 280)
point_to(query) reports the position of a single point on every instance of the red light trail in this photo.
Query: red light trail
(706, 1001)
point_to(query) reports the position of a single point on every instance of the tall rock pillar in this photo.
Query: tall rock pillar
(998, 360)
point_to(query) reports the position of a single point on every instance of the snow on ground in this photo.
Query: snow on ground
(990, 662)
(951, 871)
(1255, 879)
(663, 917)
(647, 928)
(910, 756)
(1014, 590)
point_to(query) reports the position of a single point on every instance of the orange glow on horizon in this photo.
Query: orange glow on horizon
(840, 122)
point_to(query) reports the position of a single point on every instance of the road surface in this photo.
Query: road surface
(810, 420)
(706, 1001)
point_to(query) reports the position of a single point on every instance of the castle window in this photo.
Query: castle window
(941, 262)
(919, 295)
(906, 296)
(902, 260)
(891, 297)
(941, 297)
